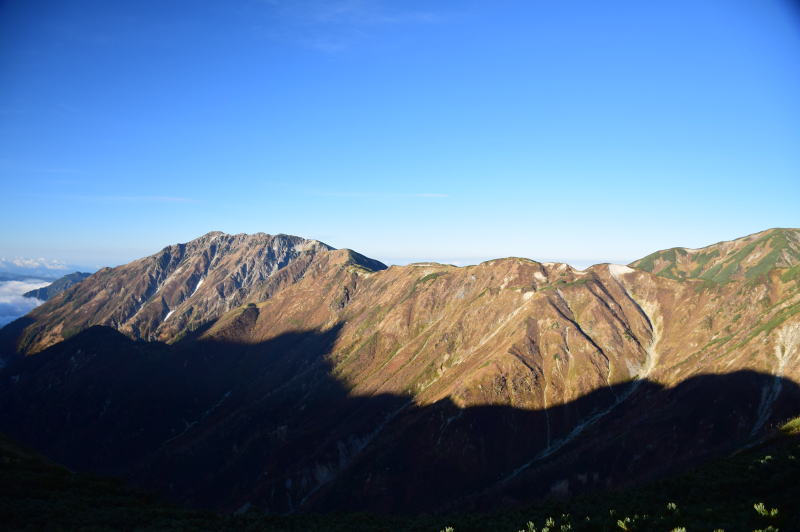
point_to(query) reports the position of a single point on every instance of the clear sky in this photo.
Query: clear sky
(453, 131)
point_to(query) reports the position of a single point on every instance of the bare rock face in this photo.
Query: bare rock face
(314, 379)
(177, 290)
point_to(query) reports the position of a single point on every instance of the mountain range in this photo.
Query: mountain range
(278, 373)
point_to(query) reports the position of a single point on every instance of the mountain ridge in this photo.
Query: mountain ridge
(728, 260)
(510, 378)
(675, 263)
(59, 285)
(179, 288)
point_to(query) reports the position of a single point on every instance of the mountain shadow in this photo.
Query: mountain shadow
(10, 335)
(269, 426)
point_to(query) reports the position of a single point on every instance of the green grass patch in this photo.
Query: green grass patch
(792, 274)
(792, 427)
(431, 277)
(780, 317)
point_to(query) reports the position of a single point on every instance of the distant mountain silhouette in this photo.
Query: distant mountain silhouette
(59, 285)
(11, 276)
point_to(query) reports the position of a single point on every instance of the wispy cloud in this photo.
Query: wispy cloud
(108, 198)
(137, 199)
(325, 45)
(365, 13)
(22, 262)
(334, 26)
(68, 171)
(378, 195)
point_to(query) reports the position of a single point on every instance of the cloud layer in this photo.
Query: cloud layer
(36, 269)
(13, 304)
(26, 263)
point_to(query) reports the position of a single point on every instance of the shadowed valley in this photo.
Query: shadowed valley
(328, 382)
(226, 425)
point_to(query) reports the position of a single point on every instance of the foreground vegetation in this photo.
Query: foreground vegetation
(754, 490)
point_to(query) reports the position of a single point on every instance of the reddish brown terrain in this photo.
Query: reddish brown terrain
(178, 289)
(299, 377)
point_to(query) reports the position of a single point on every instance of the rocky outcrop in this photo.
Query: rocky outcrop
(180, 289)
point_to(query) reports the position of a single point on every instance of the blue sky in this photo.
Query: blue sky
(452, 131)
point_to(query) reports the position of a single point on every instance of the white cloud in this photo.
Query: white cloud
(13, 304)
(22, 262)
(386, 195)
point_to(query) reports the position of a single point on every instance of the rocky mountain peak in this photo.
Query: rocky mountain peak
(178, 289)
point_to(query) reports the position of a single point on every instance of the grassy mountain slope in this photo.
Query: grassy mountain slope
(744, 258)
